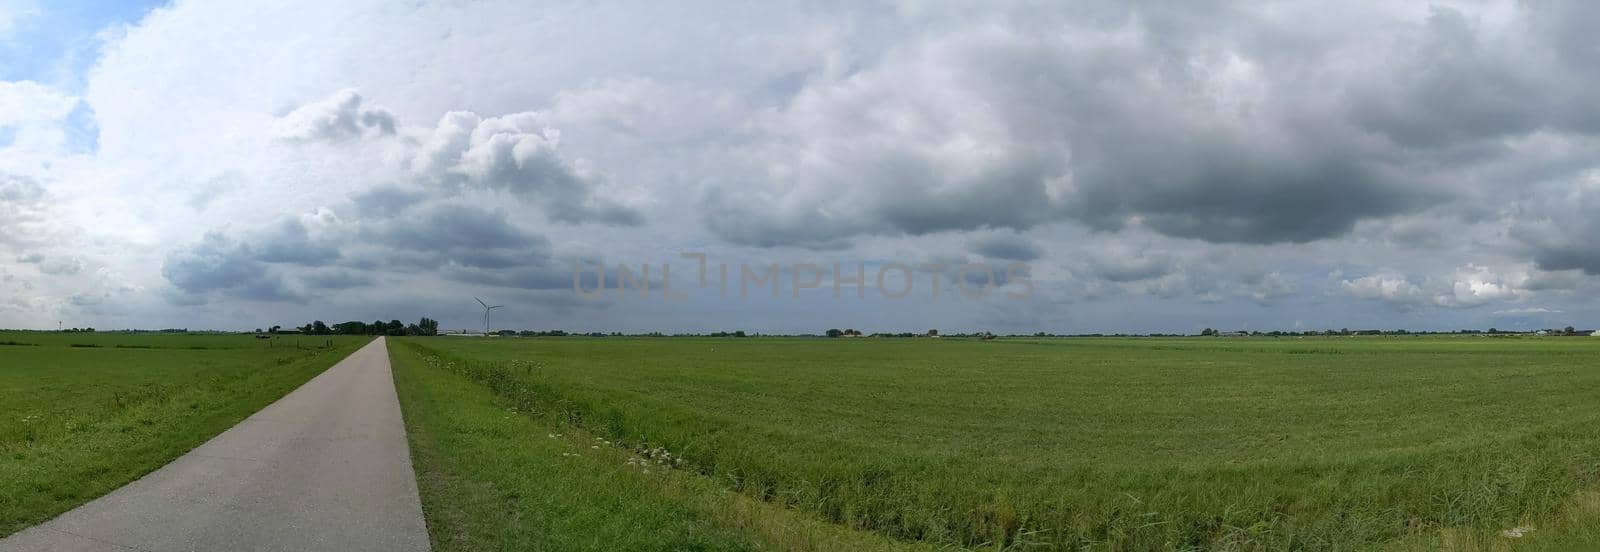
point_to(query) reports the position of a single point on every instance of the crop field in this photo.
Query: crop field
(84, 414)
(1410, 443)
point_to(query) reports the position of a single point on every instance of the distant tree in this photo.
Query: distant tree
(258, 330)
(428, 326)
(1569, 330)
(834, 332)
(396, 327)
(274, 329)
(1208, 332)
(1494, 330)
(353, 327)
(318, 328)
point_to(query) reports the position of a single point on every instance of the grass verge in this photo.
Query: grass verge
(82, 421)
(494, 477)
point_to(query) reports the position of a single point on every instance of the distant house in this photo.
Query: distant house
(1594, 333)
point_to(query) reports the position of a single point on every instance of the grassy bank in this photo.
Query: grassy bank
(1105, 444)
(87, 413)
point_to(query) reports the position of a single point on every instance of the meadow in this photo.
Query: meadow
(1026, 444)
(85, 413)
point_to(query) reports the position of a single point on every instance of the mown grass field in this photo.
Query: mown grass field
(84, 414)
(1113, 444)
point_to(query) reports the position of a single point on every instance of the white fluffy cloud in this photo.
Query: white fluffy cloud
(31, 114)
(1469, 286)
(14, 11)
(1389, 288)
(520, 155)
(342, 116)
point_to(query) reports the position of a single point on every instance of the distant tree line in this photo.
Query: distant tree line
(426, 326)
(1569, 330)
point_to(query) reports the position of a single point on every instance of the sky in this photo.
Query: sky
(1015, 167)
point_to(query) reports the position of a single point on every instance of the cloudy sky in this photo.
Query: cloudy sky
(1294, 165)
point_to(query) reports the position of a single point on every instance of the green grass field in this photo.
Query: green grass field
(1114, 444)
(84, 414)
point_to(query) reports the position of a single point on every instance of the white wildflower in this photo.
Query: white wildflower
(1516, 532)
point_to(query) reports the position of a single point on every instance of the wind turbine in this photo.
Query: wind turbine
(486, 310)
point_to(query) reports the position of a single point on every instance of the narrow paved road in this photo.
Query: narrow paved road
(324, 468)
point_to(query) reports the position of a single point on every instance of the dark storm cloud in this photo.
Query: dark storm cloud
(1222, 123)
(289, 242)
(1130, 266)
(1565, 241)
(385, 201)
(1556, 227)
(257, 266)
(1575, 254)
(1457, 84)
(543, 275)
(220, 265)
(286, 261)
(337, 279)
(1561, 280)
(453, 228)
(1006, 246)
(251, 268)
(1219, 193)
(471, 245)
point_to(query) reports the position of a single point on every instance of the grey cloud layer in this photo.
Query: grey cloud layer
(23, 217)
(411, 226)
(286, 262)
(1366, 161)
(1225, 123)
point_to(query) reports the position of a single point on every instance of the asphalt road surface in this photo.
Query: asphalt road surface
(324, 468)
